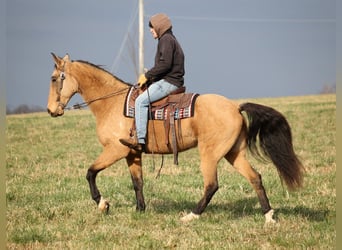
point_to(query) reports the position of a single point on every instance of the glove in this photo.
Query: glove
(142, 80)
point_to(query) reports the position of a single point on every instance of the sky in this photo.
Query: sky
(236, 48)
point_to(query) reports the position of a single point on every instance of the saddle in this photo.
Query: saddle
(174, 107)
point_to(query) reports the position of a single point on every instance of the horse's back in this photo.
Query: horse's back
(216, 106)
(217, 114)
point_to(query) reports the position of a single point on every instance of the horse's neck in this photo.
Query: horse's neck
(101, 90)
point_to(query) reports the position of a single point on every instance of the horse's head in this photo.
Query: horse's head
(62, 86)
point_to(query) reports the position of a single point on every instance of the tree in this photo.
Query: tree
(328, 89)
(24, 109)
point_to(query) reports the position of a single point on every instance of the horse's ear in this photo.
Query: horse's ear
(66, 57)
(56, 59)
(54, 56)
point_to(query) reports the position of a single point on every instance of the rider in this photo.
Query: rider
(163, 78)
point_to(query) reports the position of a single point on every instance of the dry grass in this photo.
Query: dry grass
(49, 205)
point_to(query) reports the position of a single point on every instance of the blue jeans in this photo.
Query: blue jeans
(155, 91)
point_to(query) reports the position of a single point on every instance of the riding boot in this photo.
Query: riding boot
(139, 147)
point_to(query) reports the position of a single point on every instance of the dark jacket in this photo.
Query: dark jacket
(169, 59)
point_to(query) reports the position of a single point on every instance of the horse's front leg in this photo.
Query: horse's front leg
(107, 158)
(94, 191)
(134, 164)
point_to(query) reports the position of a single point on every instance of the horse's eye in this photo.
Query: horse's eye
(53, 78)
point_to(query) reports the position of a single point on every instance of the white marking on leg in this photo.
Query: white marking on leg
(269, 217)
(189, 217)
(103, 205)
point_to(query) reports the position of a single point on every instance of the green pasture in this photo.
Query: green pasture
(49, 204)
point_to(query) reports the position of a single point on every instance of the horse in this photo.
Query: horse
(220, 128)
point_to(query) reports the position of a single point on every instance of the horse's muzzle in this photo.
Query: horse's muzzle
(58, 112)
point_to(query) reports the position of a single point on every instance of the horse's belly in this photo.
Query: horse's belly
(162, 139)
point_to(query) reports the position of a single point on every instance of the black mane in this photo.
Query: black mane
(100, 68)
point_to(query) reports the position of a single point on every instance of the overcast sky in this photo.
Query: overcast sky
(237, 48)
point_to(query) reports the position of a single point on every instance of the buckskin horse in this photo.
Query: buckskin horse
(218, 127)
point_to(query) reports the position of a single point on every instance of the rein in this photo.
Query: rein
(85, 104)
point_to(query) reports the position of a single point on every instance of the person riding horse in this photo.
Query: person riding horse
(163, 78)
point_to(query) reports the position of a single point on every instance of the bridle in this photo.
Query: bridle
(60, 85)
(59, 88)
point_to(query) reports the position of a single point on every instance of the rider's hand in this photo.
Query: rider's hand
(142, 80)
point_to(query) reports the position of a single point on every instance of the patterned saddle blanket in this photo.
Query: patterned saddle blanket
(180, 104)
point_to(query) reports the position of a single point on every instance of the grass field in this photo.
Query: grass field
(49, 204)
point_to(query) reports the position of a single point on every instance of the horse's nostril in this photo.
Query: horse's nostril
(48, 110)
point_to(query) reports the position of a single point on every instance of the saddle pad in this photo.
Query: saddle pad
(183, 109)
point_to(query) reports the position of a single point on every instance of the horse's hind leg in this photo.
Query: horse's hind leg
(239, 161)
(209, 172)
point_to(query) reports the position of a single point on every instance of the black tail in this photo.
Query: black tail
(272, 130)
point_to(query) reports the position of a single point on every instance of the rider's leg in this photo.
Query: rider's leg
(156, 91)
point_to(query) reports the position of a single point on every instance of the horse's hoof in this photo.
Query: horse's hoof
(269, 217)
(104, 205)
(189, 217)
